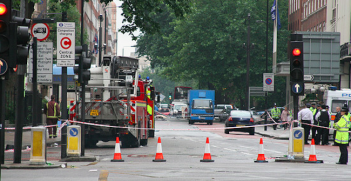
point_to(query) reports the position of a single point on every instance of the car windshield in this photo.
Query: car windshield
(202, 104)
(240, 114)
(220, 107)
(178, 106)
(164, 106)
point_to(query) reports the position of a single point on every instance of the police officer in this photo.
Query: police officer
(342, 136)
(313, 108)
(275, 115)
(305, 116)
(315, 122)
(337, 118)
(324, 118)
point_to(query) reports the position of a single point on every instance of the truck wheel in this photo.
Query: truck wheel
(211, 122)
(191, 122)
(89, 143)
(226, 131)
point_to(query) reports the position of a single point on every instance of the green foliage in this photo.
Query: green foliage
(207, 45)
(73, 15)
(164, 85)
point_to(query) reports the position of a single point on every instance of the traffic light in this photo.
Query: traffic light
(5, 18)
(20, 37)
(84, 64)
(170, 96)
(77, 60)
(296, 65)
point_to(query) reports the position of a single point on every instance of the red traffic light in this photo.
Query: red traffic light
(296, 52)
(3, 9)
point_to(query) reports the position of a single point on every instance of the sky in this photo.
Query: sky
(124, 40)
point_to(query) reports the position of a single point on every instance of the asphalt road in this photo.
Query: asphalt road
(183, 147)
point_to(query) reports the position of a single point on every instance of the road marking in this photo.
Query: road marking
(103, 175)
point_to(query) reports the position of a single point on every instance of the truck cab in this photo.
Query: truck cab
(201, 106)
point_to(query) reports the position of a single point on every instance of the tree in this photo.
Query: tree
(207, 46)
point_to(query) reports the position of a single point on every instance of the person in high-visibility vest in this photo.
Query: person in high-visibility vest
(275, 115)
(52, 111)
(342, 136)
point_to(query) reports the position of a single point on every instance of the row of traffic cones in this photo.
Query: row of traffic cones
(207, 155)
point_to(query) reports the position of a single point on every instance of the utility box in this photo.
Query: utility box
(73, 141)
(298, 141)
(38, 151)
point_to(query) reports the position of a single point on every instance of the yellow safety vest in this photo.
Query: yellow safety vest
(47, 111)
(342, 128)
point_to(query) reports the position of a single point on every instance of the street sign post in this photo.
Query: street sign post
(66, 44)
(308, 77)
(41, 31)
(268, 81)
(44, 63)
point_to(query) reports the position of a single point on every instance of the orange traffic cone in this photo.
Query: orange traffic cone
(117, 156)
(159, 154)
(207, 155)
(313, 158)
(261, 158)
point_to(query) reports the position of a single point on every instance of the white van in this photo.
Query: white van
(336, 98)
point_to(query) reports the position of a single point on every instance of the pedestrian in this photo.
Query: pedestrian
(323, 118)
(52, 111)
(305, 117)
(275, 115)
(284, 117)
(315, 123)
(313, 107)
(342, 136)
(337, 118)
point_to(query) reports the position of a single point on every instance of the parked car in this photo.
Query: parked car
(163, 108)
(176, 109)
(221, 111)
(257, 118)
(239, 118)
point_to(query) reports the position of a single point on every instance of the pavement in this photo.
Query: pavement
(53, 147)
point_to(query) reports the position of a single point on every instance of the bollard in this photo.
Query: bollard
(38, 152)
(73, 141)
(298, 141)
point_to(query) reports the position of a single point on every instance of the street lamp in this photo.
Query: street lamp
(101, 18)
(248, 63)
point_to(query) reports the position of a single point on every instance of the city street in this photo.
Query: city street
(183, 147)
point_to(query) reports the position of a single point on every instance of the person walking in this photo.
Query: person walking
(284, 117)
(305, 116)
(275, 115)
(337, 118)
(342, 136)
(324, 118)
(52, 111)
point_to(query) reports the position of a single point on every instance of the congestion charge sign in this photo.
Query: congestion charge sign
(66, 44)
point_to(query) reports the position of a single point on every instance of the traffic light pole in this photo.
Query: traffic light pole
(64, 103)
(85, 47)
(2, 120)
(34, 81)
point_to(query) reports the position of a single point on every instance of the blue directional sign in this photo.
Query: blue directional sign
(297, 134)
(73, 132)
(296, 88)
(3, 67)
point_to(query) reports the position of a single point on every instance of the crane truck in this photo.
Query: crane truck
(118, 103)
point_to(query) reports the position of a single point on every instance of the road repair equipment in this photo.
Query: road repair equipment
(261, 158)
(313, 158)
(117, 157)
(159, 154)
(207, 154)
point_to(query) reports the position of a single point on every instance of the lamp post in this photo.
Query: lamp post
(101, 18)
(248, 62)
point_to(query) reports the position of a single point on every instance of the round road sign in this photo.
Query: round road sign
(297, 134)
(41, 31)
(3, 67)
(269, 81)
(65, 43)
(73, 132)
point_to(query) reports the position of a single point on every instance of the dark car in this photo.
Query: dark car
(240, 118)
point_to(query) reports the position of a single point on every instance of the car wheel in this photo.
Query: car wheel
(252, 132)
(226, 131)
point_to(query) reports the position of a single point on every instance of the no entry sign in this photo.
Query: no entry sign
(65, 44)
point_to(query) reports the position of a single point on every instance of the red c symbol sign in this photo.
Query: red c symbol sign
(66, 43)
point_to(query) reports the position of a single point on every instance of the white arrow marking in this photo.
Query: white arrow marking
(297, 86)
